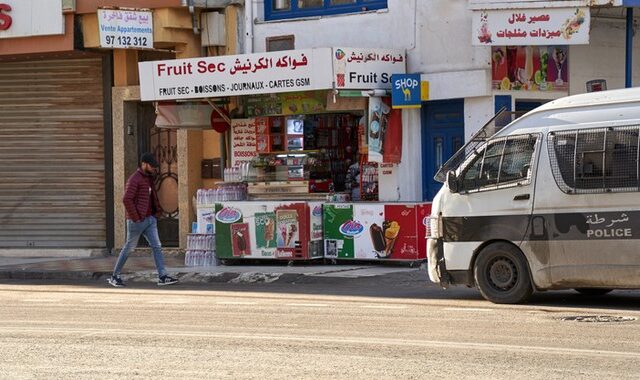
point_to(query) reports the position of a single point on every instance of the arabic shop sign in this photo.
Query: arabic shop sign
(366, 69)
(26, 18)
(543, 26)
(248, 74)
(121, 29)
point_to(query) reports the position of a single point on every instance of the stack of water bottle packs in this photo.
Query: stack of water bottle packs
(201, 250)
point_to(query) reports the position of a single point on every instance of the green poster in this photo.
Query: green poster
(225, 217)
(338, 219)
(265, 229)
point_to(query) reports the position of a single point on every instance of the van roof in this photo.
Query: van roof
(594, 98)
(594, 107)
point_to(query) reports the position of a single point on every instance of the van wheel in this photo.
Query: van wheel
(593, 291)
(502, 274)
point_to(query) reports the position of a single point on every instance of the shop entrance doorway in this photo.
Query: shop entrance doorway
(163, 143)
(442, 136)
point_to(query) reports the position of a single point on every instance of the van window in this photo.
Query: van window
(595, 160)
(504, 162)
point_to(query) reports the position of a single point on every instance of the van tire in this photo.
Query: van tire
(593, 291)
(501, 273)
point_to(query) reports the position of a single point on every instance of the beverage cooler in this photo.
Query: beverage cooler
(268, 230)
(376, 231)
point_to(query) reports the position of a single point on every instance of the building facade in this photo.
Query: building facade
(72, 123)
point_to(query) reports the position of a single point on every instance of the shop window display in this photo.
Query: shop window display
(305, 156)
(286, 9)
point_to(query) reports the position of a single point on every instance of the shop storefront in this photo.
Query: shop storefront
(313, 135)
(52, 145)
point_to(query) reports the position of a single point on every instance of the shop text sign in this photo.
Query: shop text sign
(366, 69)
(243, 139)
(5, 18)
(248, 74)
(406, 91)
(542, 26)
(26, 18)
(122, 29)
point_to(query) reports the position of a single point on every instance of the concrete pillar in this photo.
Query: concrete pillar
(189, 158)
(125, 67)
(125, 151)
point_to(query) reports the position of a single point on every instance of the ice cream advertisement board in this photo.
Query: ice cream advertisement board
(375, 231)
(270, 230)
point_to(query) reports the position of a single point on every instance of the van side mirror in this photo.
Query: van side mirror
(452, 182)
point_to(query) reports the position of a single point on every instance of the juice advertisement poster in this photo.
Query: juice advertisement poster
(240, 239)
(530, 68)
(265, 223)
(339, 230)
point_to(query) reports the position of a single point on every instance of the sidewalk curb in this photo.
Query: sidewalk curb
(148, 276)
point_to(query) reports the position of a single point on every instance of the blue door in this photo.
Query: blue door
(442, 136)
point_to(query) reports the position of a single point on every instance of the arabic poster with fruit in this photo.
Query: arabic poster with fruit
(530, 68)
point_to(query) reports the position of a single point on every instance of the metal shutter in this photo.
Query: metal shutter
(52, 181)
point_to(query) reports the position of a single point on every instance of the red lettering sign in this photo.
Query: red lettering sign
(5, 19)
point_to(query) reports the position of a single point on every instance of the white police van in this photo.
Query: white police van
(550, 201)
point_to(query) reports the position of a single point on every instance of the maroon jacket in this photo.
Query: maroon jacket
(140, 197)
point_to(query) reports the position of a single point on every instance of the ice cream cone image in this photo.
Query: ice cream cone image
(292, 231)
(390, 236)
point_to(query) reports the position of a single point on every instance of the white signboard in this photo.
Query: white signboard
(542, 26)
(122, 29)
(389, 188)
(26, 18)
(232, 75)
(243, 140)
(367, 69)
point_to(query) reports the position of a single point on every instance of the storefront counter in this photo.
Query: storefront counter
(308, 230)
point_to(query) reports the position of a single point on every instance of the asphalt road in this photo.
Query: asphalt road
(374, 328)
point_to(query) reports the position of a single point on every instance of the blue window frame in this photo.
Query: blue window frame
(286, 9)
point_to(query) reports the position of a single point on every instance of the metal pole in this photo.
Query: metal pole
(629, 49)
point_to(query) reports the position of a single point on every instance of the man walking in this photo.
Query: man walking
(142, 206)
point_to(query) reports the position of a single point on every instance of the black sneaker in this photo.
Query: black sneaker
(116, 281)
(166, 280)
